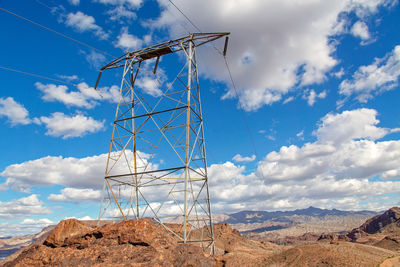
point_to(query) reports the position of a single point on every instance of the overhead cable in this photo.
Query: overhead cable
(183, 14)
(56, 32)
(231, 79)
(39, 76)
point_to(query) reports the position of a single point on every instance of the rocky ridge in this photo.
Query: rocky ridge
(137, 243)
(145, 243)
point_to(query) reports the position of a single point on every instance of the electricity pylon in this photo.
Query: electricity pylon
(156, 165)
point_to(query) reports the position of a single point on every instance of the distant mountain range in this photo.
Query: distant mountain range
(247, 217)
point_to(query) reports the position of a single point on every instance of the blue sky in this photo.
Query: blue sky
(317, 82)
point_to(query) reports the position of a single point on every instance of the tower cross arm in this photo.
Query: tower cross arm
(165, 48)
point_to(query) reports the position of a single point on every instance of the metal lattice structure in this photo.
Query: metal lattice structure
(156, 166)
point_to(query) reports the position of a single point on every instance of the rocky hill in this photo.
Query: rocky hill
(382, 230)
(137, 243)
(145, 243)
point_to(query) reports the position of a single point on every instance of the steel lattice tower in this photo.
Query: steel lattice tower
(156, 165)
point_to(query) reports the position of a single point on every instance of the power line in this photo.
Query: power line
(56, 32)
(49, 7)
(183, 14)
(192, 23)
(38, 76)
(242, 112)
(232, 81)
(46, 78)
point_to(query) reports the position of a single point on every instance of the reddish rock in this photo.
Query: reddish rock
(66, 229)
(333, 237)
(132, 243)
(385, 223)
(377, 223)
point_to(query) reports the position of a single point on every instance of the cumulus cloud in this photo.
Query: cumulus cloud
(69, 78)
(122, 9)
(43, 221)
(349, 125)
(22, 207)
(294, 38)
(96, 60)
(240, 158)
(346, 167)
(360, 30)
(25, 227)
(288, 100)
(76, 195)
(364, 8)
(121, 14)
(311, 96)
(82, 23)
(339, 74)
(128, 41)
(74, 2)
(130, 3)
(84, 97)
(74, 173)
(380, 76)
(59, 124)
(60, 93)
(300, 135)
(330, 172)
(15, 112)
(150, 85)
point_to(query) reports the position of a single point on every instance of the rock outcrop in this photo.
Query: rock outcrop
(382, 230)
(66, 229)
(138, 243)
(379, 222)
(131, 243)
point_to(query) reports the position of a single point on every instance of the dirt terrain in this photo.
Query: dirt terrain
(145, 243)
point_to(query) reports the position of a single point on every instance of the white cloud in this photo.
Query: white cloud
(288, 100)
(339, 74)
(331, 172)
(76, 195)
(82, 22)
(347, 167)
(129, 3)
(85, 97)
(294, 38)
(22, 207)
(43, 222)
(74, 2)
(364, 8)
(150, 85)
(300, 135)
(121, 14)
(128, 41)
(240, 158)
(74, 173)
(14, 112)
(96, 60)
(59, 124)
(27, 226)
(60, 93)
(360, 30)
(348, 125)
(69, 78)
(380, 76)
(312, 96)
(253, 192)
